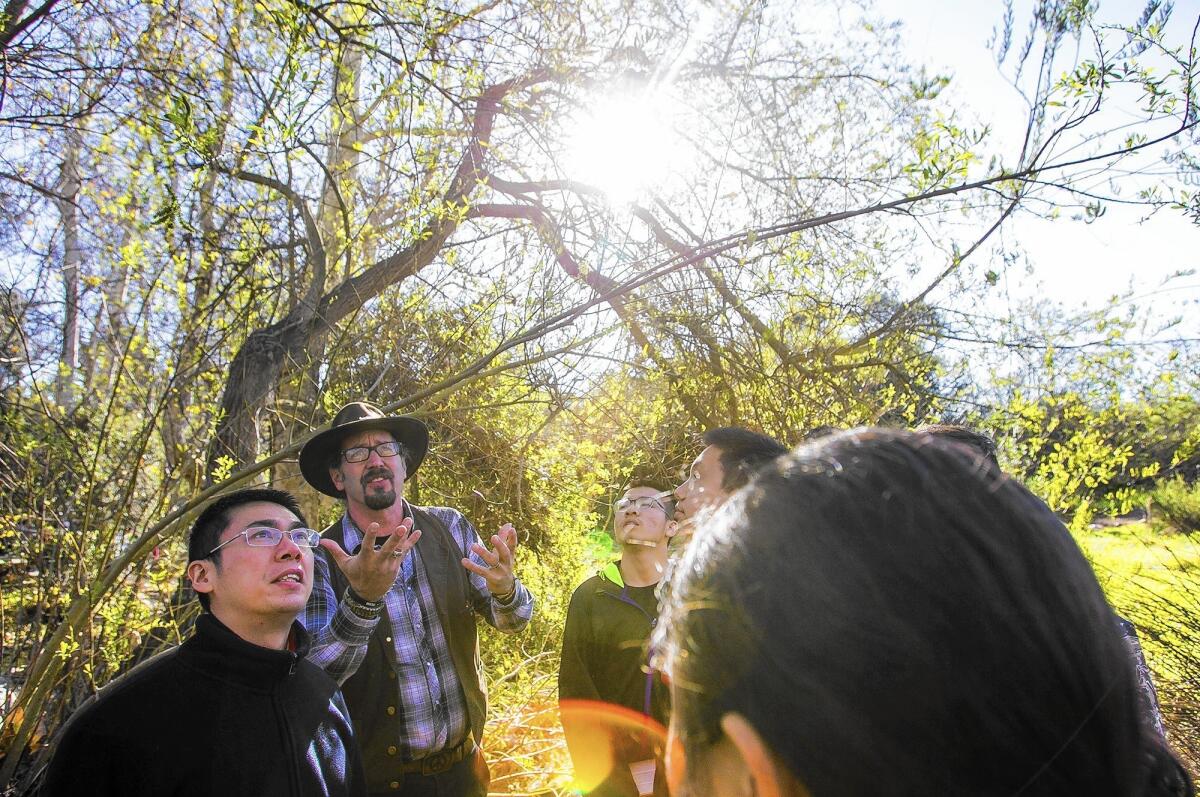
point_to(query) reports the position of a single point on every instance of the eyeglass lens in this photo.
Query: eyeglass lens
(360, 453)
(638, 503)
(265, 537)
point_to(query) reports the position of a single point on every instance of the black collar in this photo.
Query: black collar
(219, 653)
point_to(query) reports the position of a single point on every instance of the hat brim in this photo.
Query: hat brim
(317, 453)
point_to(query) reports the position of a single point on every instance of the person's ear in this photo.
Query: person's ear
(335, 476)
(672, 527)
(200, 572)
(768, 776)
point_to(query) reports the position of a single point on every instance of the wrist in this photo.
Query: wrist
(506, 597)
(357, 597)
(362, 607)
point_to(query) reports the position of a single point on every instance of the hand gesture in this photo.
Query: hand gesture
(497, 569)
(372, 571)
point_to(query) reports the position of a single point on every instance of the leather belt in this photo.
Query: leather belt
(440, 762)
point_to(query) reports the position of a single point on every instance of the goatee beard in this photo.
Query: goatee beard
(380, 500)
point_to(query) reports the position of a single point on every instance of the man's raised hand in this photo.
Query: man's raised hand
(497, 569)
(372, 571)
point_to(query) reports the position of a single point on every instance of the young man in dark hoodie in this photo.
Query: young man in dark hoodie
(236, 709)
(613, 706)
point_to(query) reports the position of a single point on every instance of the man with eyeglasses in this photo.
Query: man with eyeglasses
(236, 709)
(393, 612)
(611, 701)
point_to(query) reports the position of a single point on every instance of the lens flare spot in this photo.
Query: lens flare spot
(600, 735)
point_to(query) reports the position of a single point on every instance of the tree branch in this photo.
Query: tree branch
(14, 27)
(315, 246)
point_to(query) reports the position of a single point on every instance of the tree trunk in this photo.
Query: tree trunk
(269, 354)
(72, 260)
(191, 340)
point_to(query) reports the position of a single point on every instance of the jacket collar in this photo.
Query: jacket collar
(612, 572)
(220, 653)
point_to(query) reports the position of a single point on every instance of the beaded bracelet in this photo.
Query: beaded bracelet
(361, 607)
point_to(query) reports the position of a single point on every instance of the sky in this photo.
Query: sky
(1073, 262)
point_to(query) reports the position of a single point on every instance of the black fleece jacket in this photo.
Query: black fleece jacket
(604, 660)
(215, 716)
(604, 646)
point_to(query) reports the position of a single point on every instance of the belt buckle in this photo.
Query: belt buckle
(438, 762)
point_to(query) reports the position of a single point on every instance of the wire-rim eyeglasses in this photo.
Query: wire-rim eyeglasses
(267, 537)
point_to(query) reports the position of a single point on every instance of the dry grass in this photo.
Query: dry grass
(524, 745)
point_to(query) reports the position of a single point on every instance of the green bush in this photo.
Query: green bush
(1179, 502)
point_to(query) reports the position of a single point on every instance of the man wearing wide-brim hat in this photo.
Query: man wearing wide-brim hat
(396, 592)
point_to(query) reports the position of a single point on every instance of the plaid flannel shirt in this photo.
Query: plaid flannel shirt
(435, 710)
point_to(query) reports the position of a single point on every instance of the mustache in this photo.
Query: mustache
(375, 473)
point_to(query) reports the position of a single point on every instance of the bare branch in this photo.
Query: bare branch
(316, 248)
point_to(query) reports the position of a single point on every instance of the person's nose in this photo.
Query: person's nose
(288, 549)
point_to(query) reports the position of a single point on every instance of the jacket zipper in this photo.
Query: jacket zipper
(289, 741)
(624, 598)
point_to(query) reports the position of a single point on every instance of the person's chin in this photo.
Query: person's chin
(380, 500)
(290, 606)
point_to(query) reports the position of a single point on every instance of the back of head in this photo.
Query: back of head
(978, 442)
(743, 453)
(817, 432)
(894, 621)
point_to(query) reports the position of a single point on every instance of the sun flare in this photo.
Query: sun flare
(623, 145)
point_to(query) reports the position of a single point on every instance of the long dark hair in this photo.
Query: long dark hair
(894, 621)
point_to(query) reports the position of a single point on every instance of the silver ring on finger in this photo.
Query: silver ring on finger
(397, 554)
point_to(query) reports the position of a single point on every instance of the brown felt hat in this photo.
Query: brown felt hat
(358, 416)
